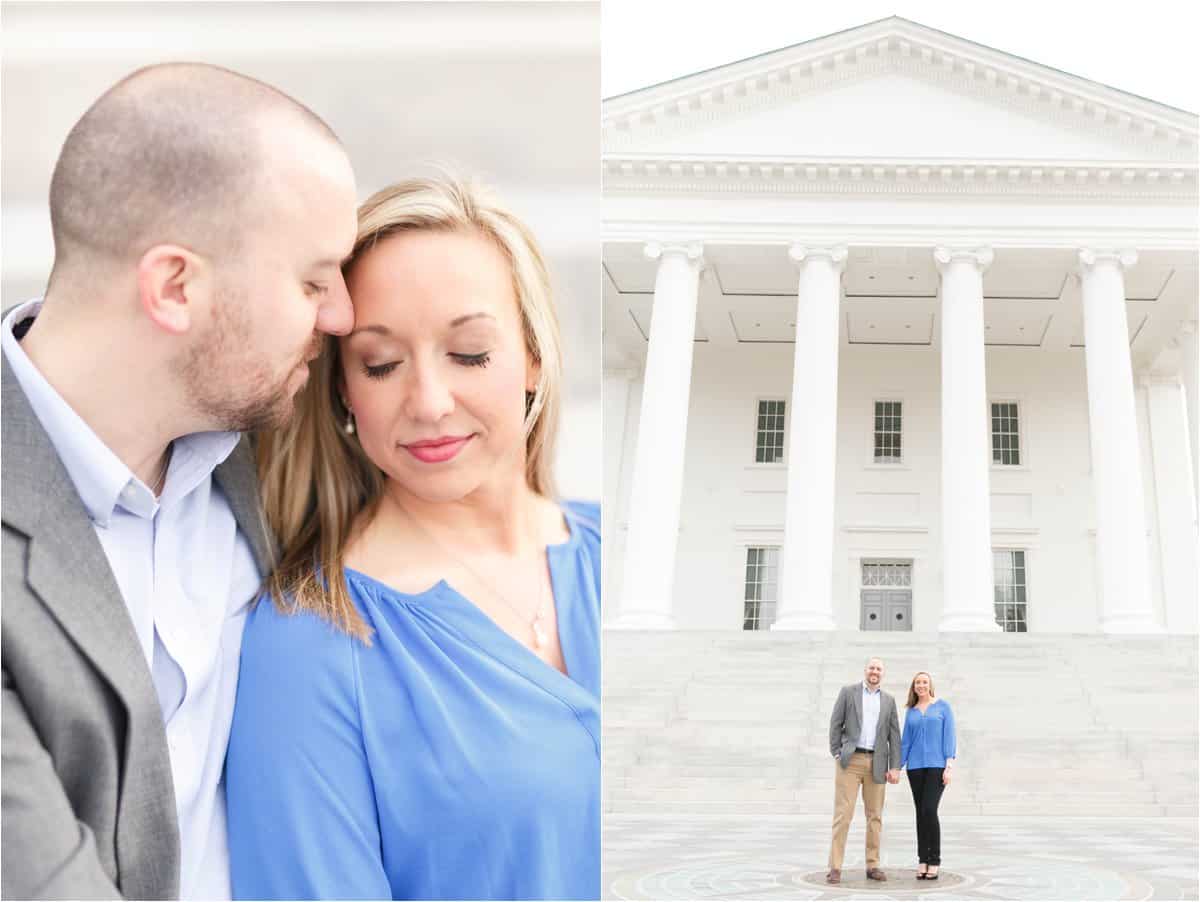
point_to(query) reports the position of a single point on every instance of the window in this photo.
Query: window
(762, 588)
(1006, 439)
(887, 573)
(1009, 577)
(887, 432)
(768, 438)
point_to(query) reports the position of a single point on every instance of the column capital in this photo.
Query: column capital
(980, 257)
(692, 251)
(834, 253)
(1090, 256)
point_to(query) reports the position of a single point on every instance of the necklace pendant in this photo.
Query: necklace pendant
(539, 634)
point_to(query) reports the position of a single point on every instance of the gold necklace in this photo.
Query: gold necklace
(535, 625)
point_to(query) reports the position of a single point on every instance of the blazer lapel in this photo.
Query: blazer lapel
(856, 694)
(238, 480)
(68, 570)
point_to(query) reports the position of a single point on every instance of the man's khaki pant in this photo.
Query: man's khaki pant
(845, 794)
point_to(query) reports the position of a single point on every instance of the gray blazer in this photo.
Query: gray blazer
(845, 728)
(88, 802)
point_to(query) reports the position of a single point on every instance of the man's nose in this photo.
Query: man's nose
(336, 314)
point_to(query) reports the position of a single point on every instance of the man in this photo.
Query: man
(864, 739)
(199, 220)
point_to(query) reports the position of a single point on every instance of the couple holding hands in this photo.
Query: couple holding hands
(866, 743)
(291, 608)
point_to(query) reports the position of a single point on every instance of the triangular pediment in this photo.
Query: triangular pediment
(895, 90)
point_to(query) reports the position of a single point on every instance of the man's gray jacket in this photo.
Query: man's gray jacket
(845, 729)
(88, 802)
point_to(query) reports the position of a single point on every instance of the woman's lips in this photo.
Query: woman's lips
(437, 450)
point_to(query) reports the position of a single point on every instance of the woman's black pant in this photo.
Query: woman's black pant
(926, 786)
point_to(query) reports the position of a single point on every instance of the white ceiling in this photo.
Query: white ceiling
(889, 297)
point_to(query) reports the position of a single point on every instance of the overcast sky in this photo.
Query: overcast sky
(1148, 47)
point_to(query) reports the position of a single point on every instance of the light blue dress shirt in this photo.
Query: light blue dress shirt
(928, 738)
(443, 761)
(187, 576)
(870, 718)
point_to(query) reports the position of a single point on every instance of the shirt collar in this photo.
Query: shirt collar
(102, 480)
(867, 689)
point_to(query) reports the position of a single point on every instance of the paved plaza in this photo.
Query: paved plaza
(773, 857)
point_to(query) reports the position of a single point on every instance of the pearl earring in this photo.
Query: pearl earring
(349, 427)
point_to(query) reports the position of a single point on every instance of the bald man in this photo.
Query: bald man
(199, 219)
(864, 740)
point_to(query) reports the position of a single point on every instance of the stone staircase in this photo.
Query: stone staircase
(1057, 725)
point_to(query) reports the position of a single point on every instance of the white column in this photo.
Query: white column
(1116, 458)
(661, 441)
(968, 594)
(1174, 501)
(615, 401)
(806, 577)
(1190, 372)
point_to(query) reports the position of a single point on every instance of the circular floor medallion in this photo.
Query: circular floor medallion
(900, 880)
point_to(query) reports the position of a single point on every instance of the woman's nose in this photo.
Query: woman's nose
(429, 397)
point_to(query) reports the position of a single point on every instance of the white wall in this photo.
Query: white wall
(1045, 506)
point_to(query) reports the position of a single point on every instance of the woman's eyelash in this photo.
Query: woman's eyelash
(314, 288)
(379, 372)
(382, 370)
(473, 359)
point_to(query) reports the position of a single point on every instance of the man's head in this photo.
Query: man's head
(216, 210)
(873, 673)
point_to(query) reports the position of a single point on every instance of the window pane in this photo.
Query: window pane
(762, 587)
(769, 428)
(1009, 590)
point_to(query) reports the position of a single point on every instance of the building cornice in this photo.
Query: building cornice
(861, 234)
(897, 45)
(707, 174)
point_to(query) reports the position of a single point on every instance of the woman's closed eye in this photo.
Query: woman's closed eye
(472, 359)
(381, 371)
(315, 288)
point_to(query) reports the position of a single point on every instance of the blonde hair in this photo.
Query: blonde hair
(318, 485)
(912, 688)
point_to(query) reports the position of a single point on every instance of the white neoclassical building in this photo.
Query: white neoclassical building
(900, 333)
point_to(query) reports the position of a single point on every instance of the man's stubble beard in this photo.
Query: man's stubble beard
(227, 385)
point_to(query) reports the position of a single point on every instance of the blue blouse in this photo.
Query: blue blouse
(444, 761)
(928, 738)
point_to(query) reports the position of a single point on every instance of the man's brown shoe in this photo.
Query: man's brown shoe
(876, 874)
(834, 876)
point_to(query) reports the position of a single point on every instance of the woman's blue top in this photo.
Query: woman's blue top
(444, 761)
(928, 738)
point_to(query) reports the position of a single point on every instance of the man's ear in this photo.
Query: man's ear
(173, 285)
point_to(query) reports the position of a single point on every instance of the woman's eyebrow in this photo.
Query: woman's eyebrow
(458, 321)
(374, 327)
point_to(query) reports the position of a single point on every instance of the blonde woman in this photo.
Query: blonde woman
(418, 710)
(927, 752)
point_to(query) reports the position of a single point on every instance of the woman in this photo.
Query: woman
(927, 751)
(418, 709)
